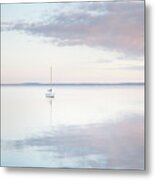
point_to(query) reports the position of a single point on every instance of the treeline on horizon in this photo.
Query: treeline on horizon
(69, 84)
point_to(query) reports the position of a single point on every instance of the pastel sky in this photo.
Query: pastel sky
(101, 42)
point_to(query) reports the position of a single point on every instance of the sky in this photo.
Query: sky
(84, 42)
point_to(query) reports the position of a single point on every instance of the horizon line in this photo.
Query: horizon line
(71, 83)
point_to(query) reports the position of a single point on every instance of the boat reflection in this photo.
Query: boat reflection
(50, 101)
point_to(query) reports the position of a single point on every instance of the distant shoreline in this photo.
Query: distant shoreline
(76, 84)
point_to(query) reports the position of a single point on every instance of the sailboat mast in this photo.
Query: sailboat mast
(50, 94)
(51, 75)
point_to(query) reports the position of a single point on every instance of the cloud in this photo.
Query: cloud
(120, 66)
(103, 61)
(107, 25)
(133, 67)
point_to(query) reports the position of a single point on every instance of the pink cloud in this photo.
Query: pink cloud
(108, 25)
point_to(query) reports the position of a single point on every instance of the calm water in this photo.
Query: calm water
(82, 127)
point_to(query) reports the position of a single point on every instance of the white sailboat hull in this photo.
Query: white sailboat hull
(49, 95)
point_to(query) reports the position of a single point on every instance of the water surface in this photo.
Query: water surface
(82, 127)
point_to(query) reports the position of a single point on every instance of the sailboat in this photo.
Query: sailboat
(49, 93)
